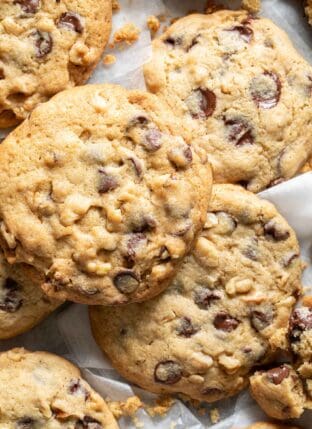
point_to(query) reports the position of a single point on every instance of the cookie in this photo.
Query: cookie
(45, 47)
(226, 310)
(109, 198)
(246, 89)
(267, 425)
(22, 303)
(39, 389)
(279, 392)
(308, 10)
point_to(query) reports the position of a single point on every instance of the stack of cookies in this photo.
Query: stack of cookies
(143, 205)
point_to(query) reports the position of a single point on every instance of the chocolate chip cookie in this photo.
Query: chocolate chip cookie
(267, 425)
(22, 302)
(47, 46)
(226, 310)
(109, 198)
(42, 390)
(279, 392)
(246, 89)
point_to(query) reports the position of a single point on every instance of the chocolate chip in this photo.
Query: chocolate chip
(174, 41)
(26, 423)
(300, 321)
(245, 32)
(107, 182)
(212, 391)
(133, 243)
(289, 258)
(28, 6)
(72, 21)
(204, 297)
(126, 281)
(261, 319)
(76, 388)
(88, 423)
(139, 120)
(273, 229)
(43, 43)
(277, 375)
(143, 223)
(137, 165)
(185, 328)
(168, 372)
(225, 322)
(11, 302)
(194, 42)
(152, 140)
(205, 103)
(180, 156)
(239, 132)
(266, 90)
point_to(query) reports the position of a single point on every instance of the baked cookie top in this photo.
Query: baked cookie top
(39, 389)
(279, 392)
(226, 310)
(108, 199)
(267, 425)
(247, 90)
(22, 302)
(47, 46)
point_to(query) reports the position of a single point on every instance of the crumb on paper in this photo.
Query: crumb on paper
(173, 425)
(137, 423)
(153, 23)
(252, 6)
(109, 60)
(115, 5)
(127, 408)
(128, 33)
(214, 415)
(307, 301)
(162, 406)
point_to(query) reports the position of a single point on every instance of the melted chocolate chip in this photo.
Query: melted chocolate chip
(107, 182)
(185, 328)
(273, 229)
(137, 166)
(43, 43)
(239, 132)
(207, 102)
(139, 120)
(72, 21)
(205, 297)
(88, 423)
(300, 321)
(266, 90)
(168, 372)
(289, 258)
(277, 375)
(76, 388)
(133, 243)
(225, 322)
(28, 6)
(26, 423)
(126, 281)
(152, 140)
(245, 32)
(144, 223)
(193, 43)
(260, 319)
(11, 302)
(174, 41)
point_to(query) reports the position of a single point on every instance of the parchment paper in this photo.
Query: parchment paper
(67, 331)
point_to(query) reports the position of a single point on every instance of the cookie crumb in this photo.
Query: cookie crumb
(127, 408)
(153, 23)
(163, 404)
(214, 415)
(129, 33)
(115, 5)
(252, 6)
(109, 60)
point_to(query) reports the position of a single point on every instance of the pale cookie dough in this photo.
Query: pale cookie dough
(240, 80)
(226, 311)
(267, 425)
(47, 46)
(22, 303)
(101, 190)
(42, 390)
(279, 392)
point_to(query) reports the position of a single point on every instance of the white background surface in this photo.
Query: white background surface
(67, 332)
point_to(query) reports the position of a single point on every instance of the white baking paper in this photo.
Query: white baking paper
(67, 331)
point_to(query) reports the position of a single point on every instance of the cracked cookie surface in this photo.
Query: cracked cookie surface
(47, 46)
(22, 303)
(245, 87)
(42, 390)
(108, 198)
(226, 311)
